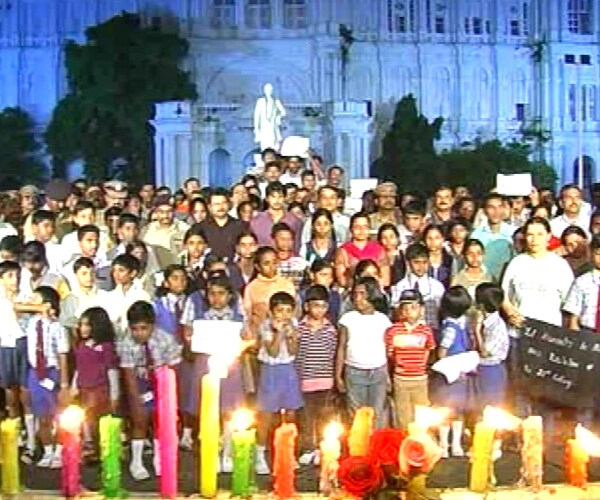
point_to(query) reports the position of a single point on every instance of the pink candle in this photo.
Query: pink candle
(70, 422)
(166, 409)
(284, 460)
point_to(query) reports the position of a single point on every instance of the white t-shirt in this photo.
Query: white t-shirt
(538, 286)
(366, 344)
(11, 329)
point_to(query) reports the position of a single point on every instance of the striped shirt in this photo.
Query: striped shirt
(315, 360)
(408, 347)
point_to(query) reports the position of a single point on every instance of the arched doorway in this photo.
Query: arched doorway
(248, 163)
(588, 167)
(219, 168)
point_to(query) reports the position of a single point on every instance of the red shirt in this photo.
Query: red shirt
(408, 348)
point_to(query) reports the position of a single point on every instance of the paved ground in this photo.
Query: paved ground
(450, 473)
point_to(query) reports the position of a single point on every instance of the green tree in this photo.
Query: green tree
(476, 164)
(114, 80)
(19, 148)
(408, 155)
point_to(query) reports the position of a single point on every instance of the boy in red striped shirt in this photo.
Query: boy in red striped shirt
(408, 343)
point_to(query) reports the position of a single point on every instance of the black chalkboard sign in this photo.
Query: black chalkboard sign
(559, 365)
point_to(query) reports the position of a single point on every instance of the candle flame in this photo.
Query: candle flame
(225, 355)
(500, 419)
(71, 418)
(428, 416)
(241, 419)
(589, 441)
(333, 430)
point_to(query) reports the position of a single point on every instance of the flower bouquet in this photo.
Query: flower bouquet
(397, 463)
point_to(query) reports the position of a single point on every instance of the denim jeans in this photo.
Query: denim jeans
(368, 388)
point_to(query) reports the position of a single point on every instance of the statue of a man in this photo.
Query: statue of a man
(268, 113)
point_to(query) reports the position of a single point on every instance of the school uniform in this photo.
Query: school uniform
(13, 347)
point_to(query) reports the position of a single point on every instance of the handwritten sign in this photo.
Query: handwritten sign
(559, 365)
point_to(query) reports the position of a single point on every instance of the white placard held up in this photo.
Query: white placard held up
(217, 337)
(359, 186)
(514, 185)
(295, 145)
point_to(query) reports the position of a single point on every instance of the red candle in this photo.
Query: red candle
(70, 422)
(576, 463)
(285, 461)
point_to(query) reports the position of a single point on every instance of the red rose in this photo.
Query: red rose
(418, 454)
(359, 476)
(385, 446)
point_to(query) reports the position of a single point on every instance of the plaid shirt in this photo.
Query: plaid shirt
(55, 341)
(582, 299)
(163, 347)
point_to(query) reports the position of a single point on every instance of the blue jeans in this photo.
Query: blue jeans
(368, 388)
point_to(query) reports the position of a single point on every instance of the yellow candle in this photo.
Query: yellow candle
(360, 432)
(209, 434)
(330, 454)
(532, 452)
(9, 432)
(481, 459)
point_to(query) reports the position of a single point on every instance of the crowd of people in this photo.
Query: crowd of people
(100, 284)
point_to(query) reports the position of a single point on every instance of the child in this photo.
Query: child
(124, 270)
(361, 365)
(408, 344)
(96, 369)
(290, 265)
(389, 238)
(143, 348)
(440, 261)
(11, 248)
(493, 341)
(474, 272)
(195, 250)
(322, 244)
(36, 273)
(315, 361)
(359, 248)
(265, 283)
(431, 289)
(278, 386)
(458, 230)
(13, 351)
(413, 217)
(241, 269)
(220, 303)
(321, 273)
(169, 305)
(454, 340)
(47, 349)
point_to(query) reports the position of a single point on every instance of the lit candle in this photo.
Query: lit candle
(9, 432)
(210, 430)
(110, 452)
(427, 417)
(481, 458)
(576, 463)
(532, 452)
(284, 462)
(360, 432)
(330, 448)
(243, 440)
(166, 408)
(70, 422)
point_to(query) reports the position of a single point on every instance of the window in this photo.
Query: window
(572, 98)
(436, 12)
(223, 14)
(294, 14)
(579, 17)
(476, 21)
(401, 16)
(258, 14)
(592, 103)
(520, 111)
(518, 24)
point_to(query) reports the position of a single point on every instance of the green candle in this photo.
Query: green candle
(110, 447)
(244, 442)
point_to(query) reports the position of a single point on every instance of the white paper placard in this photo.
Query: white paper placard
(295, 145)
(453, 367)
(514, 185)
(359, 186)
(216, 337)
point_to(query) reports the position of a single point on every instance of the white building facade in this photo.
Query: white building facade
(489, 67)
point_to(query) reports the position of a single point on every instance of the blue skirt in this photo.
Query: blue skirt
(13, 365)
(454, 396)
(491, 385)
(43, 401)
(278, 388)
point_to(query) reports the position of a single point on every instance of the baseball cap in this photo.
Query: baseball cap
(408, 296)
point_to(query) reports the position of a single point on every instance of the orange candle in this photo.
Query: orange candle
(284, 460)
(331, 450)
(360, 432)
(576, 463)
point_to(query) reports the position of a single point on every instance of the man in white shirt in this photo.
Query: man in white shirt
(571, 200)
